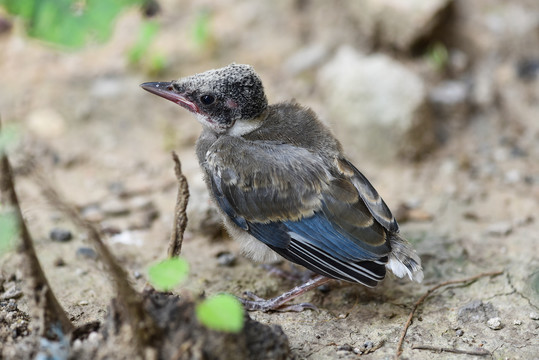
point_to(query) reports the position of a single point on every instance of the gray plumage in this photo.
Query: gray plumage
(282, 182)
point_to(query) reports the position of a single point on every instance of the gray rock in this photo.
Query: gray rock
(86, 253)
(399, 24)
(500, 228)
(476, 311)
(377, 105)
(61, 235)
(306, 58)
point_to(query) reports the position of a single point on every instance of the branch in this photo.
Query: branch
(427, 294)
(180, 216)
(476, 352)
(53, 313)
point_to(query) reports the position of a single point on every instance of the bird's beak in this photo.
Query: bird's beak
(166, 90)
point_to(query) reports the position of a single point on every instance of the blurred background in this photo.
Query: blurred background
(435, 101)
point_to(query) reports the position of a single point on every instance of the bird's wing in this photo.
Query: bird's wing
(307, 210)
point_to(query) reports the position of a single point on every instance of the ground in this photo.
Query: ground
(468, 206)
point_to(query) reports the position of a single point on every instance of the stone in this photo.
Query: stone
(377, 106)
(500, 228)
(46, 123)
(400, 24)
(495, 323)
(476, 311)
(60, 235)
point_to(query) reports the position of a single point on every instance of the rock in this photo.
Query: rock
(92, 213)
(226, 258)
(500, 229)
(12, 293)
(378, 106)
(61, 235)
(476, 311)
(459, 332)
(495, 323)
(84, 252)
(399, 24)
(306, 58)
(534, 316)
(115, 207)
(46, 123)
(449, 101)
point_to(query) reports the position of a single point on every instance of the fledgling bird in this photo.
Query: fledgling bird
(284, 187)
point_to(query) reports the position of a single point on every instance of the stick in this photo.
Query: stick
(180, 216)
(53, 313)
(145, 331)
(429, 292)
(476, 352)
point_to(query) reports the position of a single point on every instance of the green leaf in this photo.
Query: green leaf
(69, 23)
(201, 29)
(9, 230)
(168, 273)
(221, 312)
(147, 33)
(8, 136)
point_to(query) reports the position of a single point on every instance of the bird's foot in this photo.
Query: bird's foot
(278, 303)
(256, 303)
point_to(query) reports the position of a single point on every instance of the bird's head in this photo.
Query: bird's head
(223, 99)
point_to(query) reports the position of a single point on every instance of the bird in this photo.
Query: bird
(285, 188)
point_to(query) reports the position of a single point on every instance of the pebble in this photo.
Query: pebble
(500, 229)
(11, 293)
(495, 323)
(92, 213)
(115, 207)
(61, 235)
(534, 316)
(517, 322)
(459, 332)
(83, 302)
(59, 262)
(226, 258)
(86, 253)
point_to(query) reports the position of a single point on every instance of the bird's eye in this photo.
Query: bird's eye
(207, 99)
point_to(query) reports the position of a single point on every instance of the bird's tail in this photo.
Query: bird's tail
(403, 260)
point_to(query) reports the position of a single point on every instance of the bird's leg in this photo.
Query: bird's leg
(277, 303)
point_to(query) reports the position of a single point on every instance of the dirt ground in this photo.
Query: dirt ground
(105, 144)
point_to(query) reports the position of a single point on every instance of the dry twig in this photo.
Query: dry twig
(180, 216)
(145, 331)
(427, 294)
(53, 313)
(476, 351)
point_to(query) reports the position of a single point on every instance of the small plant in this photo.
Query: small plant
(167, 274)
(9, 230)
(221, 312)
(139, 53)
(68, 23)
(438, 56)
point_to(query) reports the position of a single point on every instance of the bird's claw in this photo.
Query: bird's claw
(256, 303)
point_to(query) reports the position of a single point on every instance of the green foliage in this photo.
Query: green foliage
(9, 230)
(8, 137)
(222, 312)
(201, 32)
(156, 61)
(69, 23)
(169, 273)
(438, 56)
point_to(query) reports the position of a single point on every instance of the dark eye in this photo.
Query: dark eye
(207, 99)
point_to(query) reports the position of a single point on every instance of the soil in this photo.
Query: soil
(469, 206)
